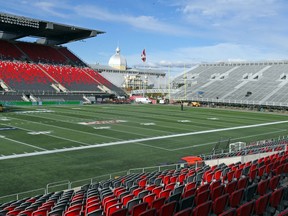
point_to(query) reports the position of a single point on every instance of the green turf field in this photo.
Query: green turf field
(47, 144)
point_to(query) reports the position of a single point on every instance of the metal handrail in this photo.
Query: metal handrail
(17, 195)
(57, 184)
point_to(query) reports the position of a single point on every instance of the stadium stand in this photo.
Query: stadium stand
(42, 53)
(72, 57)
(8, 51)
(23, 76)
(239, 83)
(43, 67)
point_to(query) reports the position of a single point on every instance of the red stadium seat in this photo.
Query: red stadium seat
(246, 209)
(202, 209)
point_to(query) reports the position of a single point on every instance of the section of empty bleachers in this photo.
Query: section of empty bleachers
(257, 83)
(260, 87)
(198, 79)
(25, 77)
(251, 188)
(71, 56)
(10, 97)
(235, 81)
(73, 78)
(42, 54)
(48, 64)
(8, 51)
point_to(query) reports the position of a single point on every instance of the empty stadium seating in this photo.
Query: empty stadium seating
(8, 51)
(73, 58)
(25, 76)
(42, 53)
(230, 82)
(73, 78)
(39, 66)
(120, 197)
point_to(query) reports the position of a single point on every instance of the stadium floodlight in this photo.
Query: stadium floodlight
(21, 21)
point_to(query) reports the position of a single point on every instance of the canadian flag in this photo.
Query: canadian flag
(143, 55)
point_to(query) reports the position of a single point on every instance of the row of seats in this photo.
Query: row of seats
(266, 146)
(9, 51)
(58, 59)
(251, 188)
(38, 53)
(73, 78)
(24, 76)
(71, 56)
(42, 53)
(30, 76)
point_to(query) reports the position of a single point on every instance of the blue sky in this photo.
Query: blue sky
(173, 32)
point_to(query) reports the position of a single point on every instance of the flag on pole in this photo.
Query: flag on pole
(143, 55)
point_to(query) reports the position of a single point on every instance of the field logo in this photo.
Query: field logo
(39, 132)
(148, 123)
(102, 128)
(103, 122)
(213, 119)
(184, 121)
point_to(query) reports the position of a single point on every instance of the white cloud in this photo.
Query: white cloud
(51, 7)
(227, 11)
(144, 22)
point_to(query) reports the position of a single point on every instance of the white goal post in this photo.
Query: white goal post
(237, 146)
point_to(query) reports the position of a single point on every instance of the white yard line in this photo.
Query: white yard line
(22, 143)
(54, 136)
(98, 135)
(77, 131)
(123, 125)
(131, 119)
(138, 140)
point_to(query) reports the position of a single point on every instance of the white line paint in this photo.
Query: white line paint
(22, 143)
(62, 128)
(57, 137)
(139, 140)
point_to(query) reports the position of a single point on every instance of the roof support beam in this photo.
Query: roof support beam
(9, 36)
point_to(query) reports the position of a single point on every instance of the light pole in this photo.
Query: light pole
(144, 84)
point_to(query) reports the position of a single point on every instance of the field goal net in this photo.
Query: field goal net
(237, 146)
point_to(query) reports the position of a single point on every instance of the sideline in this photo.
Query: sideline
(137, 140)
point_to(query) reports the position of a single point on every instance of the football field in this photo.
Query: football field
(40, 145)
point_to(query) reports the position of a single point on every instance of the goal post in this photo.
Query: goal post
(237, 146)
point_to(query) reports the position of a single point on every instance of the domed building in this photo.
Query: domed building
(118, 61)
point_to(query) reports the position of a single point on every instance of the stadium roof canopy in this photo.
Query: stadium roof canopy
(14, 27)
(139, 71)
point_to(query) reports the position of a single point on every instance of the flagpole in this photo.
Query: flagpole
(143, 57)
(185, 79)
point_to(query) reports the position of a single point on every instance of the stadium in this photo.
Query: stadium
(73, 143)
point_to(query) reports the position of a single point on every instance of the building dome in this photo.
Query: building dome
(118, 61)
